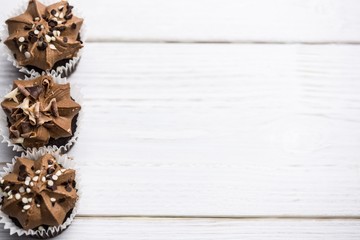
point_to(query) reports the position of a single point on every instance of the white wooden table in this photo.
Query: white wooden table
(217, 119)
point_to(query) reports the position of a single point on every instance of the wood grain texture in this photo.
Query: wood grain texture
(219, 130)
(220, 20)
(191, 229)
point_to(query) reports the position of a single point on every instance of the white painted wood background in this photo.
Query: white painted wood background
(217, 136)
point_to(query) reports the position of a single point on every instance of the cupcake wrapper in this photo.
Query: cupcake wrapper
(75, 94)
(62, 70)
(67, 162)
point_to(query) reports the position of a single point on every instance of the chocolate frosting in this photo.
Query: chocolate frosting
(44, 35)
(38, 193)
(38, 110)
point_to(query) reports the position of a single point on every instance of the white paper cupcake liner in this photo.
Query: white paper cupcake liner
(66, 162)
(62, 70)
(75, 94)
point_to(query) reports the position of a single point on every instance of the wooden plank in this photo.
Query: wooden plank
(219, 20)
(219, 130)
(204, 229)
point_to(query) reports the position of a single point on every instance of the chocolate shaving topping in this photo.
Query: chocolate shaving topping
(53, 12)
(34, 91)
(73, 26)
(65, 39)
(23, 91)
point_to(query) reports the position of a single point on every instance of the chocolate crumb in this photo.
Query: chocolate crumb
(73, 26)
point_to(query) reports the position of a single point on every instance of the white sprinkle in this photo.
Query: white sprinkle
(61, 8)
(38, 172)
(23, 210)
(36, 178)
(47, 38)
(28, 190)
(61, 15)
(53, 39)
(7, 188)
(56, 14)
(54, 177)
(31, 184)
(27, 55)
(27, 183)
(21, 189)
(21, 48)
(52, 46)
(36, 32)
(41, 228)
(10, 197)
(63, 170)
(52, 199)
(10, 193)
(37, 19)
(26, 207)
(43, 179)
(58, 173)
(42, 26)
(50, 183)
(2, 181)
(24, 200)
(27, 179)
(30, 200)
(17, 196)
(38, 205)
(21, 39)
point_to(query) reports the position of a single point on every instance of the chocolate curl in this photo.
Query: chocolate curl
(23, 91)
(14, 131)
(47, 83)
(37, 110)
(53, 107)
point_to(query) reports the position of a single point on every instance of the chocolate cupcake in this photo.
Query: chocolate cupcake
(39, 194)
(40, 112)
(45, 38)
